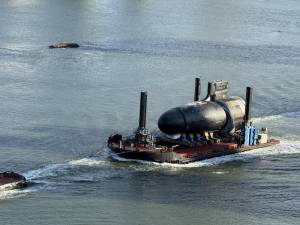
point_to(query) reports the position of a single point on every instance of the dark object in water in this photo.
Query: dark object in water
(11, 180)
(65, 45)
(216, 126)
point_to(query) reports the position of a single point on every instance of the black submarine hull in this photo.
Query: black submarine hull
(201, 116)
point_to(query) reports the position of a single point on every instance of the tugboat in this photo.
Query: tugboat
(215, 126)
(11, 180)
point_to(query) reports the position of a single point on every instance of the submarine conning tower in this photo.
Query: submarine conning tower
(216, 113)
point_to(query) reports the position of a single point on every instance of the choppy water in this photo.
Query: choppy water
(59, 106)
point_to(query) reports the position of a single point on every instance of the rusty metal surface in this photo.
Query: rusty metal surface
(186, 154)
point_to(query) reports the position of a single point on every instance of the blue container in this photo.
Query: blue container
(253, 135)
(247, 135)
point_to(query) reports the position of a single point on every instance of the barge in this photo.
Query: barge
(215, 126)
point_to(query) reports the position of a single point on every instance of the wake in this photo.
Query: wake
(53, 170)
(277, 117)
(43, 174)
(14, 193)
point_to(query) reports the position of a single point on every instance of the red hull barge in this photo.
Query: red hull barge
(182, 154)
(216, 126)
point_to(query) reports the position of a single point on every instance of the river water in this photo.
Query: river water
(59, 106)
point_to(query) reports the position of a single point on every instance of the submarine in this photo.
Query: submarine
(217, 125)
(11, 180)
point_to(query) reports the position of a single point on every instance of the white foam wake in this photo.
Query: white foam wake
(15, 193)
(46, 171)
(89, 162)
(277, 117)
(54, 169)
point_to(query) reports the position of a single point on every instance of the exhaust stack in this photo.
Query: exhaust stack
(143, 110)
(197, 89)
(248, 105)
(210, 92)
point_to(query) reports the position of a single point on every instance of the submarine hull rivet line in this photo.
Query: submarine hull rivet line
(216, 126)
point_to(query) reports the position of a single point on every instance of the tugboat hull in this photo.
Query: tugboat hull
(11, 180)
